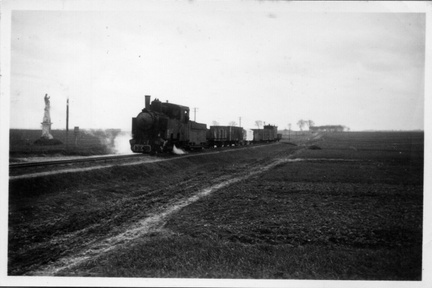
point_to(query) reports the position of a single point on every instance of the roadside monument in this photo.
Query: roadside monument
(46, 124)
(47, 138)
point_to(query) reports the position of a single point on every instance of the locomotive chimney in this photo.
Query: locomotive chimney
(147, 101)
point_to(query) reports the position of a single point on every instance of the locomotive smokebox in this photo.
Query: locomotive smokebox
(147, 101)
(145, 121)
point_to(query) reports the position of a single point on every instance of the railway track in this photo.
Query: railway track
(44, 168)
(91, 159)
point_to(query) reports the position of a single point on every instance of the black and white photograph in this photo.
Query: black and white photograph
(205, 143)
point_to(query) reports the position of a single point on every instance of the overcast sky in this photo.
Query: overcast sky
(258, 60)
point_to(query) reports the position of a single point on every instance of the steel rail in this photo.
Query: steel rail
(70, 161)
(15, 166)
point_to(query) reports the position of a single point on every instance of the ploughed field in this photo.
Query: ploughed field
(334, 206)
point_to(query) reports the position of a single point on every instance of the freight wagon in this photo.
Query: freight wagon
(267, 134)
(226, 135)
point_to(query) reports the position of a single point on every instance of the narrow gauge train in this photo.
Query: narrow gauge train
(161, 126)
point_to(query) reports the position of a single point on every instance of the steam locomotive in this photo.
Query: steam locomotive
(160, 127)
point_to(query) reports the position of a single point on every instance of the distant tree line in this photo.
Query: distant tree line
(329, 128)
(325, 128)
(302, 123)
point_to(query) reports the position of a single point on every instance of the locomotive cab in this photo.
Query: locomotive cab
(177, 112)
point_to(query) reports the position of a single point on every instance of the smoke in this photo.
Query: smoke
(114, 140)
(88, 138)
(178, 151)
(121, 143)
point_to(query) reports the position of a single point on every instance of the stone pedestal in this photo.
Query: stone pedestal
(46, 129)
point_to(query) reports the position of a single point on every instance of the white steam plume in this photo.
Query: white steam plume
(121, 143)
(178, 151)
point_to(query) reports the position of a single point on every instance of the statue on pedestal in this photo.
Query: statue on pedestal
(46, 124)
(47, 138)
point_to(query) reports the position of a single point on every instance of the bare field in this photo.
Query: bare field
(337, 206)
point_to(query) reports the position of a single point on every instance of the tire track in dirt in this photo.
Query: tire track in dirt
(148, 225)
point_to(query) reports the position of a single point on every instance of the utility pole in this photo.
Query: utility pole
(289, 132)
(195, 109)
(240, 121)
(67, 121)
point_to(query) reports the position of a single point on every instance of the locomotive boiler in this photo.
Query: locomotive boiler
(160, 126)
